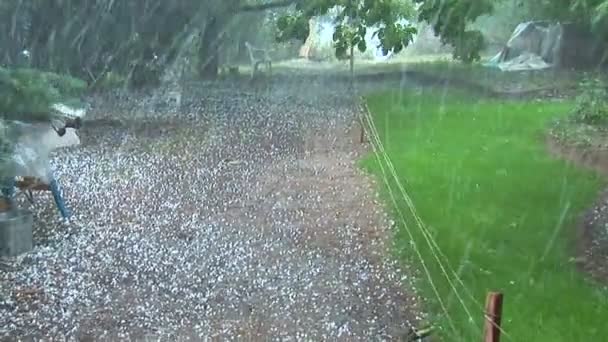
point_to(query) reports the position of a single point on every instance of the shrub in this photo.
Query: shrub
(108, 81)
(145, 75)
(592, 102)
(27, 94)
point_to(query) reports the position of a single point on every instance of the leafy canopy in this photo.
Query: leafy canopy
(450, 20)
(352, 18)
(28, 94)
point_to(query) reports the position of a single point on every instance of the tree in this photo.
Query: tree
(90, 38)
(215, 18)
(136, 38)
(450, 20)
(592, 15)
(28, 96)
(352, 19)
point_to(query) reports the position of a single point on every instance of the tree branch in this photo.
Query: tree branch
(266, 6)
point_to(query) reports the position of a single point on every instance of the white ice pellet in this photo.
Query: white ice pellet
(172, 242)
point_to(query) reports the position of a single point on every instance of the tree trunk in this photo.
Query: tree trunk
(352, 64)
(209, 51)
(307, 50)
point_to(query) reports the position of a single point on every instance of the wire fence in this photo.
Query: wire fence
(398, 193)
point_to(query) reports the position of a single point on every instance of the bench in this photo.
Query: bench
(52, 136)
(258, 57)
(27, 185)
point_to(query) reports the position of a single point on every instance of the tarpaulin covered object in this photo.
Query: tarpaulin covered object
(32, 144)
(32, 151)
(35, 142)
(534, 45)
(538, 45)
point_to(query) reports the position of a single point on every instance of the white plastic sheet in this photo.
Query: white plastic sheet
(33, 150)
(532, 46)
(35, 143)
(525, 61)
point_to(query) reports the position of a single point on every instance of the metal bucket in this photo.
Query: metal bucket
(16, 232)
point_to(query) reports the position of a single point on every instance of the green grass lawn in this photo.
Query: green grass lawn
(501, 209)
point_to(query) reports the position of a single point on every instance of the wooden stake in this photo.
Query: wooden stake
(365, 111)
(492, 317)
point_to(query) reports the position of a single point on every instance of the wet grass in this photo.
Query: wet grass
(501, 209)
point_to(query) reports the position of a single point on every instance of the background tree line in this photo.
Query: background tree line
(140, 38)
(137, 38)
(52, 49)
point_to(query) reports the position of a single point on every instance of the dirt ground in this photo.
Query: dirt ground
(239, 215)
(592, 242)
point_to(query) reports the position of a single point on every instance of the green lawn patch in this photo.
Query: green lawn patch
(502, 210)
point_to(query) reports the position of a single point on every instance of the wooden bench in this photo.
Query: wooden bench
(258, 57)
(27, 185)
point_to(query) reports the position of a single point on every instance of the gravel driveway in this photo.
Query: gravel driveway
(242, 214)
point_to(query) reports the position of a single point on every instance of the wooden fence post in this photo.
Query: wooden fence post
(362, 116)
(492, 317)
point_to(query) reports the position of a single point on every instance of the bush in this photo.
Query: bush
(592, 103)
(108, 81)
(27, 94)
(66, 86)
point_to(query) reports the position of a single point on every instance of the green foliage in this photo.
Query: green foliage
(468, 46)
(450, 20)
(239, 31)
(498, 26)
(500, 208)
(145, 74)
(601, 13)
(88, 38)
(592, 102)
(292, 27)
(6, 150)
(28, 94)
(66, 86)
(351, 20)
(109, 80)
(395, 37)
(595, 13)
